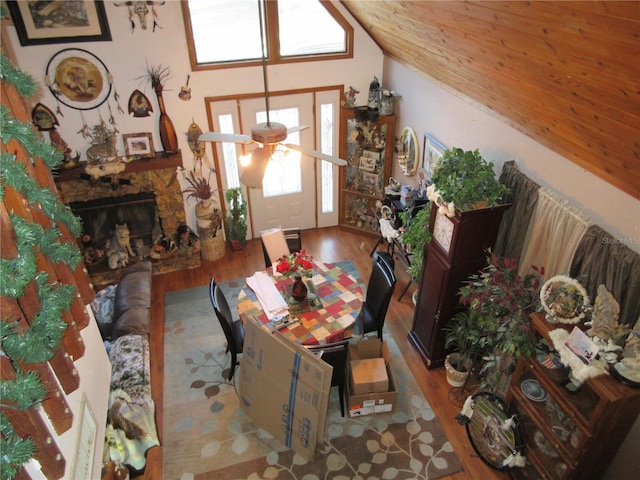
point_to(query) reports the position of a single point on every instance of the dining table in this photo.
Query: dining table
(326, 316)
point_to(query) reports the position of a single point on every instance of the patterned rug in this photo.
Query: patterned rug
(207, 435)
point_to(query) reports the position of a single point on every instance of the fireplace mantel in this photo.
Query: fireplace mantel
(142, 165)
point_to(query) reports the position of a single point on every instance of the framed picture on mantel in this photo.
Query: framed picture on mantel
(138, 145)
(43, 23)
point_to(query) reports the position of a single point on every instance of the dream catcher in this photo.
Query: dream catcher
(80, 80)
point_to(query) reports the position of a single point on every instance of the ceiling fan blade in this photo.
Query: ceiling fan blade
(314, 153)
(298, 128)
(224, 137)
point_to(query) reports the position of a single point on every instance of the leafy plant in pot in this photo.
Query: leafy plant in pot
(465, 341)
(414, 237)
(503, 301)
(201, 189)
(464, 180)
(236, 222)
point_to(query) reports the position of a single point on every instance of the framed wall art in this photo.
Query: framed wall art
(431, 153)
(138, 145)
(42, 23)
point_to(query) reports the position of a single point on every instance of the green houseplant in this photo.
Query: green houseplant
(464, 339)
(501, 301)
(415, 235)
(464, 180)
(236, 222)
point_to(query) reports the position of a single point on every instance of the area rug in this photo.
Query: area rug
(207, 435)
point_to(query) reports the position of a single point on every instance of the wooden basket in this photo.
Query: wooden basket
(213, 248)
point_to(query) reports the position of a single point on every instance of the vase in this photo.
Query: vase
(168, 136)
(298, 289)
(387, 105)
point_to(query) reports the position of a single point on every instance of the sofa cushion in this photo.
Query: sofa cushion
(102, 306)
(134, 321)
(132, 301)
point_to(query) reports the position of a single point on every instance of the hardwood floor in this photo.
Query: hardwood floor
(327, 245)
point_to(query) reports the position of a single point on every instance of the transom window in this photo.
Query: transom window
(226, 33)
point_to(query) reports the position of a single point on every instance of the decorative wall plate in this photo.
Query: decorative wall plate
(78, 79)
(44, 118)
(139, 104)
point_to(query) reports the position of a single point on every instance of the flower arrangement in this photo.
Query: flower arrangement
(564, 299)
(298, 264)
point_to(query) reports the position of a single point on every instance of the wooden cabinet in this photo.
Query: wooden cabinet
(367, 144)
(570, 435)
(457, 250)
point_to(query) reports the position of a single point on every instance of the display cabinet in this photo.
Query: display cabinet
(367, 145)
(567, 434)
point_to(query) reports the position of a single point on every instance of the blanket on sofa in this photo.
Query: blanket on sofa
(131, 427)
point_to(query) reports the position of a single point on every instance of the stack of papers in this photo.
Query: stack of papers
(270, 299)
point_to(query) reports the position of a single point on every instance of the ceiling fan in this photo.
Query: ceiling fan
(268, 135)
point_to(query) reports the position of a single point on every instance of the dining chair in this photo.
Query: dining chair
(233, 329)
(335, 354)
(278, 242)
(380, 287)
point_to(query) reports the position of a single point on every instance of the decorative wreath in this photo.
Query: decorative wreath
(564, 299)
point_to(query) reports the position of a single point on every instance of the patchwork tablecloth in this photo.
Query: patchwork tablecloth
(326, 320)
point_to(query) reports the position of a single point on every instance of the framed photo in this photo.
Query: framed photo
(369, 161)
(138, 145)
(433, 150)
(370, 181)
(42, 23)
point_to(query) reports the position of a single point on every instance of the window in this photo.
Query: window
(226, 33)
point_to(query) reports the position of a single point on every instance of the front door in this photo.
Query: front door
(288, 196)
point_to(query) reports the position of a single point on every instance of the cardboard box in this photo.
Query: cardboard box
(375, 402)
(369, 376)
(284, 389)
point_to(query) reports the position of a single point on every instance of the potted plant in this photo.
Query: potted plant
(463, 180)
(503, 301)
(414, 237)
(236, 223)
(465, 341)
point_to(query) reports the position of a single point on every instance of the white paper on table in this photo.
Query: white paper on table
(270, 299)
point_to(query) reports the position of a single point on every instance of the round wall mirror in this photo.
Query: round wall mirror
(407, 151)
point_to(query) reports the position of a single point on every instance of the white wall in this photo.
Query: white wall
(458, 122)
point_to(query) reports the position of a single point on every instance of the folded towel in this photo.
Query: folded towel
(270, 299)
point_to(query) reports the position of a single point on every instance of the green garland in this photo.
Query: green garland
(15, 450)
(37, 343)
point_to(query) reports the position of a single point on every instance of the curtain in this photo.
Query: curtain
(553, 236)
(515, 221)
(601, 259)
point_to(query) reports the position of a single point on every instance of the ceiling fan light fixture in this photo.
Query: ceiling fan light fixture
(269, 133)
(252, 174)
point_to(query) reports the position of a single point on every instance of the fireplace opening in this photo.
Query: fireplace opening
(139, 211)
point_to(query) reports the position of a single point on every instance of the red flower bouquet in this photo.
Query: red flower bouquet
(298, 264)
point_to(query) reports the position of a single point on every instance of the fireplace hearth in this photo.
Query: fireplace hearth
(142, 179)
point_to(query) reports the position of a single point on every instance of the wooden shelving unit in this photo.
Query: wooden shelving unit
(570, 435)
(367, 144)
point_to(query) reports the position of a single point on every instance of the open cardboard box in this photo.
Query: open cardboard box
(373, 402)
(284, 389)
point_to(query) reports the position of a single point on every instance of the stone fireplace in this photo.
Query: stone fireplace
(142, 179)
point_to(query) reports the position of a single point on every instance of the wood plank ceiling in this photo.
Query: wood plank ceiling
(564, 73)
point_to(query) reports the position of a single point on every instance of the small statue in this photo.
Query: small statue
(119, 249)
(349, 98)
(604, 319)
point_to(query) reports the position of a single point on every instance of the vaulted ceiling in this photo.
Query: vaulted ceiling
(566, 74)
